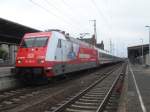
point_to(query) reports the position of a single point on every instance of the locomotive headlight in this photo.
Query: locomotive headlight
(40, 61)
(19, 61)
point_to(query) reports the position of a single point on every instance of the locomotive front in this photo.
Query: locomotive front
(30, 60)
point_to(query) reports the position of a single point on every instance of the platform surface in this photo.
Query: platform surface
(138, 89)
(5, 71)
(7, 80)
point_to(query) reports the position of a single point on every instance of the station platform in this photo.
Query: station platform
(138, 93)
(7, 79)
(5, 71)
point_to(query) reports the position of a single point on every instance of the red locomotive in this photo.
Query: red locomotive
(48, 54)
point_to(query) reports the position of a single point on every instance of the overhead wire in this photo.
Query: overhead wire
(54, 7)
(70, 9)
(73, 20)
(43, 8)
(47, 10)
(67, 20)
(103, 16)
(99, 11)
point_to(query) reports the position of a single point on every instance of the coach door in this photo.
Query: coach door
(64, 50)
(61, 51)
(58, 55)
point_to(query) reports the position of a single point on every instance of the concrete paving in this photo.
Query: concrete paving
(5, 71)
(138, 89)
(7, 80)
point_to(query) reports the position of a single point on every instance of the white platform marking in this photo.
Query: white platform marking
(138, 92)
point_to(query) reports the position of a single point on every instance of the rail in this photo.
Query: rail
(71, 106)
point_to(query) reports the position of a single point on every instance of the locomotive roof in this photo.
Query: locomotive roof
(80, 42)
(72, 39)
(75, 40)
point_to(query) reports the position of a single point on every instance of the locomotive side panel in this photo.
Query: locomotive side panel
(86, 58)
(75, 58)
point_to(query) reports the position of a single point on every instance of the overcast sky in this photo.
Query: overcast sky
(121, 21)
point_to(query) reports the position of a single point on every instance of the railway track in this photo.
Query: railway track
(13, 98)
(95, 97)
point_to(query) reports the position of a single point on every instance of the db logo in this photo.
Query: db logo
(30, 55)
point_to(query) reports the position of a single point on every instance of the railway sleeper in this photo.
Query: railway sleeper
(100, 87)
(88, 100)
(97, 89)
(83, 107)
(87, 97)
(85, 103)
(103, 86)
(8, 93)
(78, 110)
(13, 91)
(2, 96)
(7, 102)
(15, 99)
(100, 98)
(95, 94)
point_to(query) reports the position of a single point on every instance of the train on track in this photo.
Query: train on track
(53, 53)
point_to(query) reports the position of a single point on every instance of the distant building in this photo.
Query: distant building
(100, 45)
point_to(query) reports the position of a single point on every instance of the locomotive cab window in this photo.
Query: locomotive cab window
(28, 42)
(34, 42)
(59, 43)
(40, 41)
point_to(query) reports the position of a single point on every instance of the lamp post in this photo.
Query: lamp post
(149, 38)
(95, 33)
(142, 50)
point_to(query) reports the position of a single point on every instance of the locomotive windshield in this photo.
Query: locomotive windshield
(34, 42)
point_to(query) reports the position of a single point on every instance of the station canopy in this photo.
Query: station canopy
(136, 51)
(11, 32)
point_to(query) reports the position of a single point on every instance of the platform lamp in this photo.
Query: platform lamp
(149, 38)
(142, 51)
